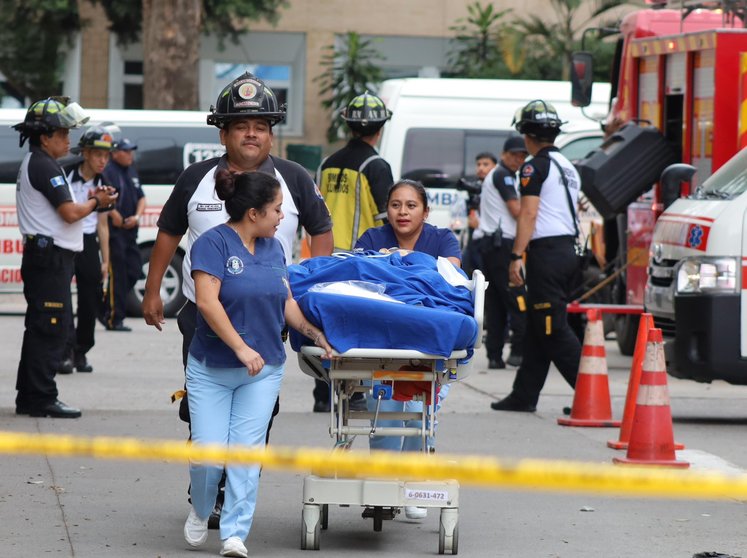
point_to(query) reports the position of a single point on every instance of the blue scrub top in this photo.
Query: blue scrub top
(253, 292)
(432, 240)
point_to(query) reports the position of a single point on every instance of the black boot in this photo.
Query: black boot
(81, 363)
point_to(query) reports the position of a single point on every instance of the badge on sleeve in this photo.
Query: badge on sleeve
(57, 181)
(527, 172)
(508, 180)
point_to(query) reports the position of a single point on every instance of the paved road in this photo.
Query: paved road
(86, 508)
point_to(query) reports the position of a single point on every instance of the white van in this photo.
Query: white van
(168, 141)
(439, 126)
(697, 277)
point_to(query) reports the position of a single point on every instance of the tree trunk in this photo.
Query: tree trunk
(171, 46)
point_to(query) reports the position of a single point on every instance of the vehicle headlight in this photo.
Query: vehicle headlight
(707, 275)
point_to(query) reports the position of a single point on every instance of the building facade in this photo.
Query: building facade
(412, 36)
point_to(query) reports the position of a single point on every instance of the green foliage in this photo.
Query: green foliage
(223, 18)
(533, 46)
(33, 38)
(476, 50)
(125, 18)
(349, 70)
(551, 40)
(228, 18)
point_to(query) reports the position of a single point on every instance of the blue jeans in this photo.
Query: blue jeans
(402, 443)
(228, 406)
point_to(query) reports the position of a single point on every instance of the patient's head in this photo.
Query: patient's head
(407, 208)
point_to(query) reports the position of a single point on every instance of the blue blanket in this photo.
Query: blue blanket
(436, 317)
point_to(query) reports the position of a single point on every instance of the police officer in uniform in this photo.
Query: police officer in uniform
(355, 183)
(499, 207)
(125, 264)
(50, 221)
(245, 113)
(355, 180)
(549, 186)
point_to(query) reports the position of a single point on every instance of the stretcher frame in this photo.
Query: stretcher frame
(384, 498)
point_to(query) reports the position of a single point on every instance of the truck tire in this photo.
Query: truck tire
(171, 287)
(626, 329)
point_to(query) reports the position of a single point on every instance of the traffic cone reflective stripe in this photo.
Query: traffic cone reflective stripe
(591, 399)
(651, 437)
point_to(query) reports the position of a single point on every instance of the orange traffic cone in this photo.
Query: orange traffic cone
(591, 400)
(646, 323)
(651, 438)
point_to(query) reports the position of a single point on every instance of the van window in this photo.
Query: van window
(578, 149)
(450, 152)
(11, 156)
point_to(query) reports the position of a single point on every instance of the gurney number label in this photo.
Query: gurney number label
(429, 495)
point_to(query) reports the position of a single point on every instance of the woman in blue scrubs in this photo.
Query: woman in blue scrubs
(236, 359)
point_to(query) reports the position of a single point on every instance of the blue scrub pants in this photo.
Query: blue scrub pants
(228, 406)
(402, 443)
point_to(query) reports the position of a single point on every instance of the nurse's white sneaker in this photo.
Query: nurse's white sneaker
(416, 512)
(195, 529)
(233, 546)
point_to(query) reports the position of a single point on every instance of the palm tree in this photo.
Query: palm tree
(475, 50)
(555, 40)
(350, 70)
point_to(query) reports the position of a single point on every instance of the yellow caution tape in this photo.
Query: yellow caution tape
(526, 474)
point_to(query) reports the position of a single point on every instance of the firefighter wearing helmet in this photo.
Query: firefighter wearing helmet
(355, 180)
(547, 228)
(50, 217)
(245, 113)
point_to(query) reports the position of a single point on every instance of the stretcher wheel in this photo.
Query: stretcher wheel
(448, 531)
(325, 516)
(311, 527)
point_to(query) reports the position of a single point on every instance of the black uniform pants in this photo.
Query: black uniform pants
(125, 269)
(88, 282)
(503, 304)
(46, 272)
(551, 271)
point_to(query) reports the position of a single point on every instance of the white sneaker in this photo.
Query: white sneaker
(416, 512)
(195, 529)
(233, 546)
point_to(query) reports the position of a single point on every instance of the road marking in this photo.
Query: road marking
(704, 461)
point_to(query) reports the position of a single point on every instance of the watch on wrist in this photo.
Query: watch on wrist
(515, 257)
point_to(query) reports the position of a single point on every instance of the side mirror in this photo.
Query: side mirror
(582, 78)
(671, 182)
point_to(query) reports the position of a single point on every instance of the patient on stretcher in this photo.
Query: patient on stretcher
(436, 317)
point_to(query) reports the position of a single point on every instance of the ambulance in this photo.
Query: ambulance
(697, 287)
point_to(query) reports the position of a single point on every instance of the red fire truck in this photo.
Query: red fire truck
(678, 84)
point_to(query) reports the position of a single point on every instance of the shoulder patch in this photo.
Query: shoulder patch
(318, 192)
(508, 180)
(527, 170)
(57, 181)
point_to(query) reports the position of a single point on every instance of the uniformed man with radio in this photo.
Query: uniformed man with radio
(546, 231)
(499, 207)
(50, 220)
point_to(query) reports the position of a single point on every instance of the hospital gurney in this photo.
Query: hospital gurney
(376, 372)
